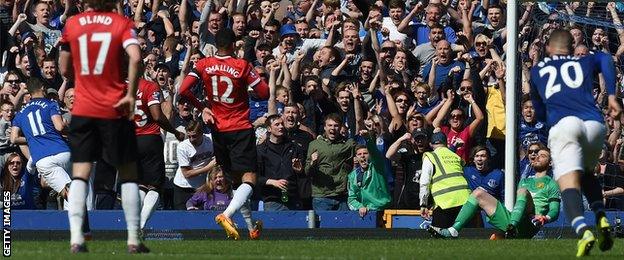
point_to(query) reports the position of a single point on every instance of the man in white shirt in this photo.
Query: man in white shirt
(195, 159)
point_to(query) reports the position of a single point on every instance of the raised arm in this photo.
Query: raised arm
(273, 70)
(476, 111)
(404, 25)
(310, 15)
(357, 105)
(446, 107)
(138, 13)
(391, 154)
(182, 13)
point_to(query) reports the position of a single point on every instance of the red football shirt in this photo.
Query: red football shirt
(148, 94)
(97, 41)
(227, 81)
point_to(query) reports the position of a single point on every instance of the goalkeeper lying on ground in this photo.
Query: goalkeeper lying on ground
(537, 203)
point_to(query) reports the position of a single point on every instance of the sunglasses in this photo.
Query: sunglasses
(388, 49)
(269, 31)
(12, 81)
(457, 116)
(533, 151)
(400, 100)
(463, 89)
(480, 44)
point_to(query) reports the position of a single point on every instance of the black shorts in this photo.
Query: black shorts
(151, 160)
(236, 151)
(112, 140)
(444, 218)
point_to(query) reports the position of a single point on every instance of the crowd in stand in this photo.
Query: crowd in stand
(357, 88)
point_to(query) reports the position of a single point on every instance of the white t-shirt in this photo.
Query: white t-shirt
(195, 157)
(394, 32)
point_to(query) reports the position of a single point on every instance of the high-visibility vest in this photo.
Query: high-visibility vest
(448, 185)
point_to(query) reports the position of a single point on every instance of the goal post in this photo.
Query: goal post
(510, 103)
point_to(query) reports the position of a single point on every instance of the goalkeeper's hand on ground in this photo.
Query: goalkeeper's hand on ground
(539, 220)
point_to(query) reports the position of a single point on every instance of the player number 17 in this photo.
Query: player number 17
(564, 71)
(105, 39)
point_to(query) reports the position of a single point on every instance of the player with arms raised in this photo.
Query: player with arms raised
(226, 83)
(94, 43)
(561, 89)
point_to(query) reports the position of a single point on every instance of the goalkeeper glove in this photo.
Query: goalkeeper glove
(539, 220)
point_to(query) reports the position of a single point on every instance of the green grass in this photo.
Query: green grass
(321, 249)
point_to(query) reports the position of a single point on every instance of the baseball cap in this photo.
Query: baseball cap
(420, 133)
(288, 29)
(438, 138)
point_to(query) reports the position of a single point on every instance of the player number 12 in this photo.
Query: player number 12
(228, 91)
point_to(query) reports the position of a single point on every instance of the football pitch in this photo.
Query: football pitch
(321, 249)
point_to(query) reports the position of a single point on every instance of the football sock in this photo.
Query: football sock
(573, 206)
(142, 194)
(76, 210)
(518, 209)
(593, 192)
(240, 197)
(85, 223)
(246, 212)
(149, 205)
(453, 231)
(466, 213)
(130, 203)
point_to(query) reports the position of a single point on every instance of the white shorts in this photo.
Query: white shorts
(575, 145)
(56, 170)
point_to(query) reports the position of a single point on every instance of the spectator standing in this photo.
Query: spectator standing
(196, 158)
(7, 112)
(329, 161)
(368, 189)
(280, 163)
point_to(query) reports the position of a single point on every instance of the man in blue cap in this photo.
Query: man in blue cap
(291, 42)
(442, 177)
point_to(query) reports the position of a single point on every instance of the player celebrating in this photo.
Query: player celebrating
(226, 82)
(149, 118)
(537, 204)
(561, 89)
(101, 127)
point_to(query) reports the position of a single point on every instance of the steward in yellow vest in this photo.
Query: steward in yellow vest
(442, 177)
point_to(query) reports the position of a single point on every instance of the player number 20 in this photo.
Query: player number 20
(105, 39)
(225, 98)
(564, 71)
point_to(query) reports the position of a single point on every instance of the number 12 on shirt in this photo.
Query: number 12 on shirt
(225, 98)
